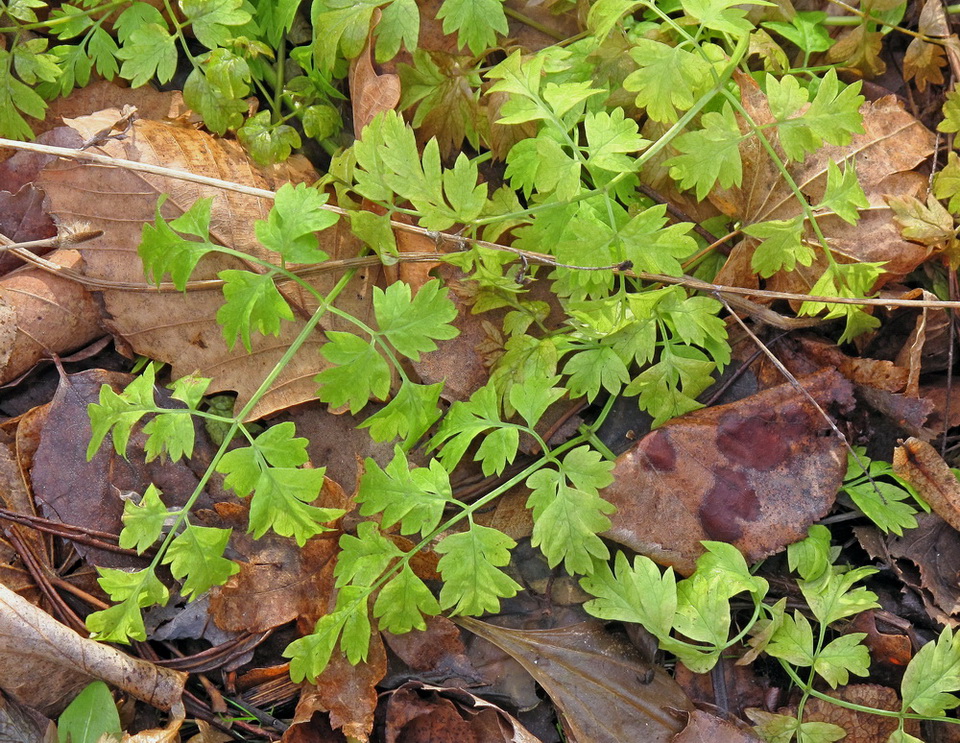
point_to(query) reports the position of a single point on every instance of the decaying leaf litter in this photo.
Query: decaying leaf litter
(755, 468)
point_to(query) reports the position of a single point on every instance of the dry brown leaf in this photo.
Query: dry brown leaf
(859, 48)
(702, 727)
(277, 583)
(45, 665)
(89, 494)
(756, 473)
(42, 315)
(920, 465)
(348, 692)
(923, 63)
(421, 712)
(181, 328)
(370, 92)
(893, 144)
(606, 692)
(861, 727)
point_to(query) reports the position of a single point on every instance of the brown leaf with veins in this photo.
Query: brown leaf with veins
(893, 144)
(755, 473)
(180, 328)
(605, 690)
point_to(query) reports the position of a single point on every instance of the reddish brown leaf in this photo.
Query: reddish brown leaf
(755, 473)
(861, 727)
(370, 92)
(605, 691)
(420, 713)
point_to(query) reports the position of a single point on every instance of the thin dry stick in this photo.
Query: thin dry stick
(439, 237)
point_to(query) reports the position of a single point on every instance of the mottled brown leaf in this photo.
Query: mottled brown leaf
(756, 473)
(919, 464)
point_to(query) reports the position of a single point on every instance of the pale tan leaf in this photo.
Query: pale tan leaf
(181, 328)
(45, 665)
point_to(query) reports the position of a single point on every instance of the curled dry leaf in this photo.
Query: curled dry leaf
(920, 465)
(893, 144)
(703, 727)
(605, 691)
(756, 473)
(417, 712)
(45, 665)
(180, 328)
(370, 92)
(42, 314)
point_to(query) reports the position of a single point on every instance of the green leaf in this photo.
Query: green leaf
(121, 412)
(793, 642)
(931, 676)
(376, 232)
(811, 557)
(409, 415)
(781, 246)
(710, 155)
(196, 555)
(833, 117)
(276, 18)
(22, 10)
(170, 433)
(399, 24)
(14, 98)
(266, 141)
(720, 15)
(592, 368)
(190, 390)
(637, 593)
(360, 372)
(883, 503)
(477, 22)
(844, 196)
(143, 522)
(946, 183)
(345, 24)
(414, 498)
(841, 657)
(472, 581)
(465, 421)
(252, 302)
(610, 136)
(806, 30)
(532, 400)
(163, 251)
(281, 503)
(91, 717)
(830, 596)
(149, 52)
(568, 519)
(132, 591)
(210, 19)
(951, 114)
(296, 216)
(220, 111)
(670, 79)
(403, 602)
(412, 325)
(364, 557)
(310, 654)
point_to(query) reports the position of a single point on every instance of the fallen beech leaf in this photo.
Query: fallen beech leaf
(44, 664)
(421, 712)
(370, 92)
(605, 691)
(893, 144)
(42, 314)
(919, 464)
(756, 473)
(180, 328)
